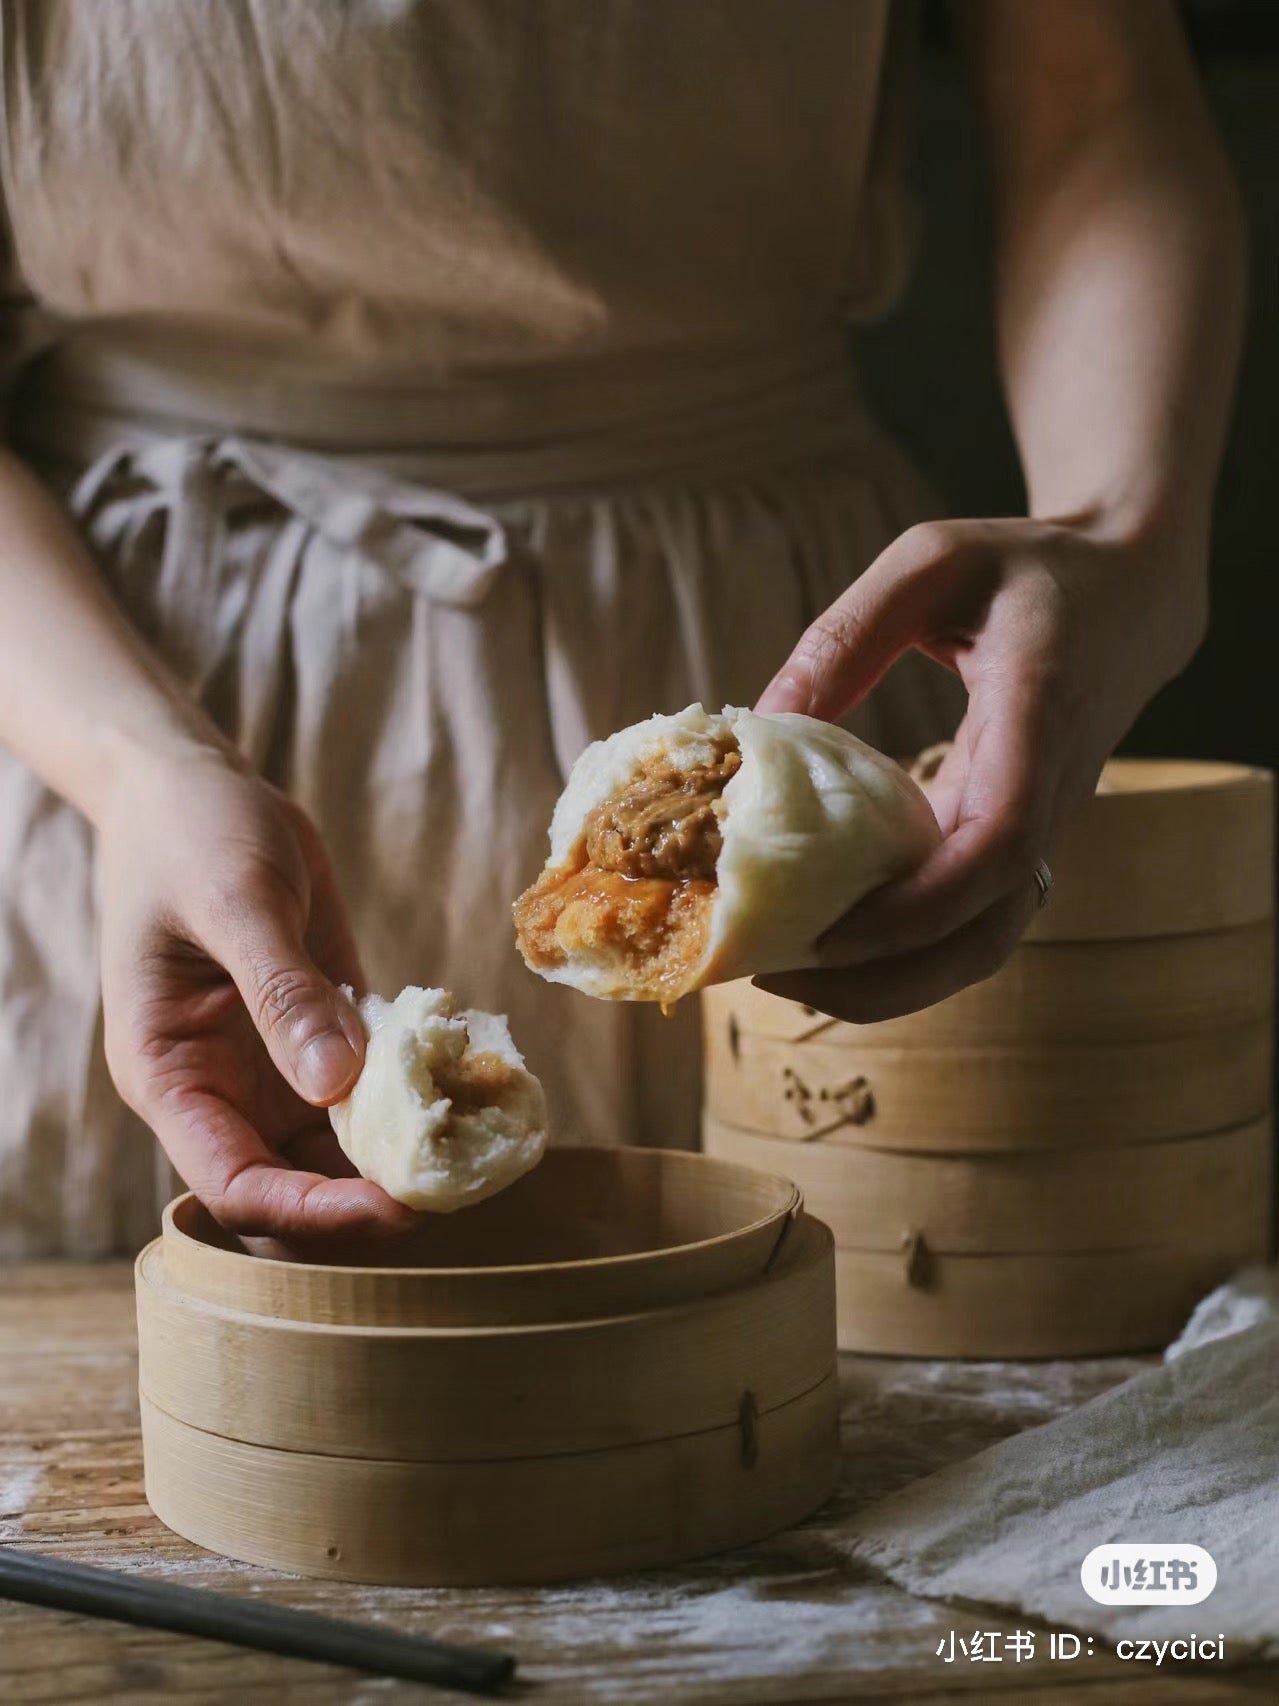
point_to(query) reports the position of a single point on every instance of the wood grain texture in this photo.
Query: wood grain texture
(1165, 847)
(1045, 1200)
(424, 1394)
(588, 1232)
(1062, 1096)
(1106, 992)
(789, 1622)
(1097, 1304)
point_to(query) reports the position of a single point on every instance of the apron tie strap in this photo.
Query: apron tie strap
(433, 543)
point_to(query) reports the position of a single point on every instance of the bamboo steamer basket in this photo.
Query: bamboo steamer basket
(1166, 847)
(1048, 1254)
(626, 1359)
(1105, 991)
(957, 1153)
(1191, 1191)
(1028, 1306)
(1045, 1095)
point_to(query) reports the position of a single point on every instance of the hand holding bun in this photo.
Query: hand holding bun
(694, 848)
(445, 1112)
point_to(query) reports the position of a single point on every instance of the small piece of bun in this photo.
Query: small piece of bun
(445, 1112)
(695, 848)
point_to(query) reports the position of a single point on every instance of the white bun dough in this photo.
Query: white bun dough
(812, 821)
(445, 1111)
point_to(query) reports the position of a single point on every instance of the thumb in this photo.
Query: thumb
(310, 1028)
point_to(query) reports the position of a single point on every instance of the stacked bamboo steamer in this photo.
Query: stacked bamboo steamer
(626, 1359)
(1060, 1160)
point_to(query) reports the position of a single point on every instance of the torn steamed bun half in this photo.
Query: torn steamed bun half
(695, 848)
(445, 1111)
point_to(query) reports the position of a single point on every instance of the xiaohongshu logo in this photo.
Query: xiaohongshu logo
(1151, 1572)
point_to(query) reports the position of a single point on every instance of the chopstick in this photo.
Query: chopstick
(40, 1580)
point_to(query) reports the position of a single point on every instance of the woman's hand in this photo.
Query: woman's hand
(1061, 632)
(223, 938)
(1119, 285)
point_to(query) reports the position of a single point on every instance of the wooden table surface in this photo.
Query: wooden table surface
(792, 1620)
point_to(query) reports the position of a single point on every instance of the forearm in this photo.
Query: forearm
(1120, 276)
(81, 695)
(1120, 308)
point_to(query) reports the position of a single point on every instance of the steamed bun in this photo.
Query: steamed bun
(445, 1111)
(699, 847)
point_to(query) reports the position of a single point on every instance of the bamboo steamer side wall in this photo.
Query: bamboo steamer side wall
(1097, 1304)
(1035, 1096)
(1066, 992)
(517, 1519)
(442, 1394)
(1165, 848)
(1185, 1193)
(1062, 1159)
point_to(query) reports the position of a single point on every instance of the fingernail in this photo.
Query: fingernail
(326, 1067)
(352, 1025)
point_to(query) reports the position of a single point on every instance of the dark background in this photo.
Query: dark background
(930, 370)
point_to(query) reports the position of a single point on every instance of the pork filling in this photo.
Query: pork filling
(638, 898)
(476, 1080)
(664, 822)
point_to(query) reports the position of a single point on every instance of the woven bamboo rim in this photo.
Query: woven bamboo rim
(642, 1228)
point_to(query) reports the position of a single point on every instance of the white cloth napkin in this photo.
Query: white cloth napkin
(1186, 1452)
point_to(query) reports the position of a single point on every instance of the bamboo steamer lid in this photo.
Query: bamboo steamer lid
(1054, 1201)
(1065, 992)
(674, 1318)
(1165, 847)
(955, 1098)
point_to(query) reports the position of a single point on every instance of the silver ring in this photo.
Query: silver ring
(1044, 883)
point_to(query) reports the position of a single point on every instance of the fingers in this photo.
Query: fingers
(245, 1187)
(329, 937)
(312, 1032)
(317, 1150)
(907, 982)
(923, 581)
(998, 814)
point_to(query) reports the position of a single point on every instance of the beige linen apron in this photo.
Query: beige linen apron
(441, 386)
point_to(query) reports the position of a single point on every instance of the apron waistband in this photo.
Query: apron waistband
(519, 432)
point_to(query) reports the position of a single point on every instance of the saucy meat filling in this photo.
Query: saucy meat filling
(478, 1079)
(641, 893)
(663, 823)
